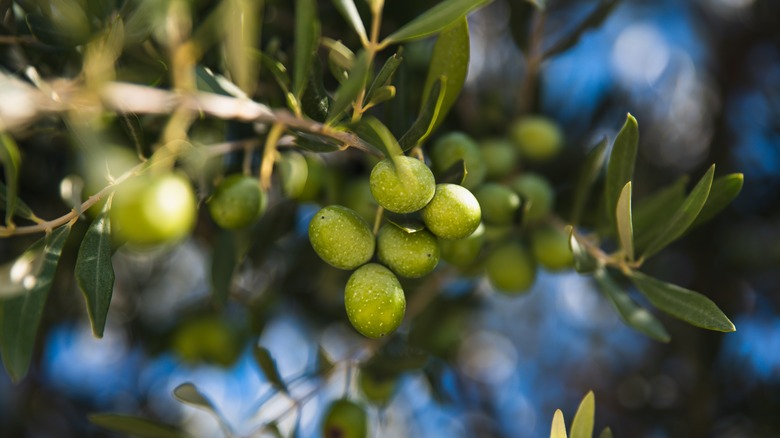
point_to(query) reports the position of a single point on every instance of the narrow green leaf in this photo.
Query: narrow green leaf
(135, 426)
(620, 168)
(268, 366)
(589, 172)
(629, 311)
(223, 265)
(422, 128)
(623, 221)
(723, 191)
(606, 433)
(11, 159)
(375, 133)
(434, 20)
(684, 216)
(188, 393)
(582, 425)
(385, 76)
(242, 22)
(380, 95)
(584, 262)
(21, 314)
(592, 21)
(315, 143)
(454, 174)
(277, 70)
(307, 36)
(22, 210)
(350, 13)
(350, 89)
(450, 59)
(687, 305)
(340, 59)
(558, 429)
(651, 213)
(94, 271)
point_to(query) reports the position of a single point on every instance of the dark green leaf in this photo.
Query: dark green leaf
(584, 262)
(423, 126)
(684, 216)
(268, 366)
(277, 70)
(629, 311)
(434, 20)
(589, 172)
(11, 160)
(623, 221)
(687, 305)
(351, 88)
(94, 271)
(340, 59)
(651, 214)
(307, 36)
(381, 94)
(135, 426)
(593, 20)
(582, 425)
(385, 76)
(21, 314)
(375, 133)
(723, 191)
(558, 429)
(454, 174)
(22, 210)
(350, 13)
(188, 393)
(70, 29)
(606, 433)
(450, 59)
(620, 168)
(315, 102)
(315, 143)
(223, 265)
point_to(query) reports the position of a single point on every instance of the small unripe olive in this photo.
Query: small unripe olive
(453, 213)
(510, 268)
(153, 209)
(237, 202)
(550, 248)
(377, 389)
(458, 146)
(537, 138)
(462, 252)
(500, 158)
(408, 254)
(374, 300)
(402, 184)
(341, 237)
(537, 196)
(357, 196)
(302, 175)
(499, 204)
(206, 339)
(345, 419)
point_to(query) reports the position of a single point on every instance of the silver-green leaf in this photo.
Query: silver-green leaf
(589, 172)
(434, 20)
(629, 311)
(350, 13)
(620, 168)
(94, 271)
(723, 191)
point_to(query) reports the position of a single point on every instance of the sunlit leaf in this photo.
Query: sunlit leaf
(268, 366)
(307, 36)
(687, 305)
(385, 76)
(592, 21)
(350, 13)
(629, 311)
(135, 426)
(21, 314)
(589, 172)
(620, 168)
(623, 221)
(434, 20)
(582, 425)
(350, 89)
(95, 272)
(10, 160)
(651, 213)
(423, 126)
(684, 216)
(450, 59)
(724, 190)
(375, 133)
(584, 262)
(558, 429)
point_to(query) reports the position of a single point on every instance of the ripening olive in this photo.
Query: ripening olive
(402, 184)
(374, 300)
(341, 237)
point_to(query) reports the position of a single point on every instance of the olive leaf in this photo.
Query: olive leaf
(350, 13)
(558, 429)
(94, 271)
(307, 35)
(11, 159)
(268, 366)
(632, 314)
(423, 126)
(623, 221)
(620, 168)
(434, 20)
(589, 172)
(724, 190)
(582, 425)
(350, 89)
(385, 76)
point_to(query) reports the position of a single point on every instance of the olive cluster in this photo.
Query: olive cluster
(373, 297)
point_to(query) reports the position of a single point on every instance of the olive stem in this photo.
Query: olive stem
(380, 211)
(269, 154)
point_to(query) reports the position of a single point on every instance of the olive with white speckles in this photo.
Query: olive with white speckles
(374, 300)
(341, 237)
(402, 184)
(408, 254)
(453, 213)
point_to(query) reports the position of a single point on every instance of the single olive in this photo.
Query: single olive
(341, 237)
(537, 138)
(550, 247)
(462, 252)
(453, 213)
(410, 254)
(510, 269)
(537, 195)
(237, 202)
(499, 204)
(345, 419)
(402, 184)
(500, 157)
(374, 300)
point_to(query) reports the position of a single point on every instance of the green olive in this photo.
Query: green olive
(499, 204)
(345, 419)
(378, 389)
(237, 202)
(206, 339)
(341, 237)
(453, 213)
(537, 138)
(550, 248)
(462, 252)
(374, 300)
(402, 184)
(500, 157)
(410, 254)
(510, 268)
(458, 146)
(537, 195)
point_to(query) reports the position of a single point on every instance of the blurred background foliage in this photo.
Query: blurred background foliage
(701, 76)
